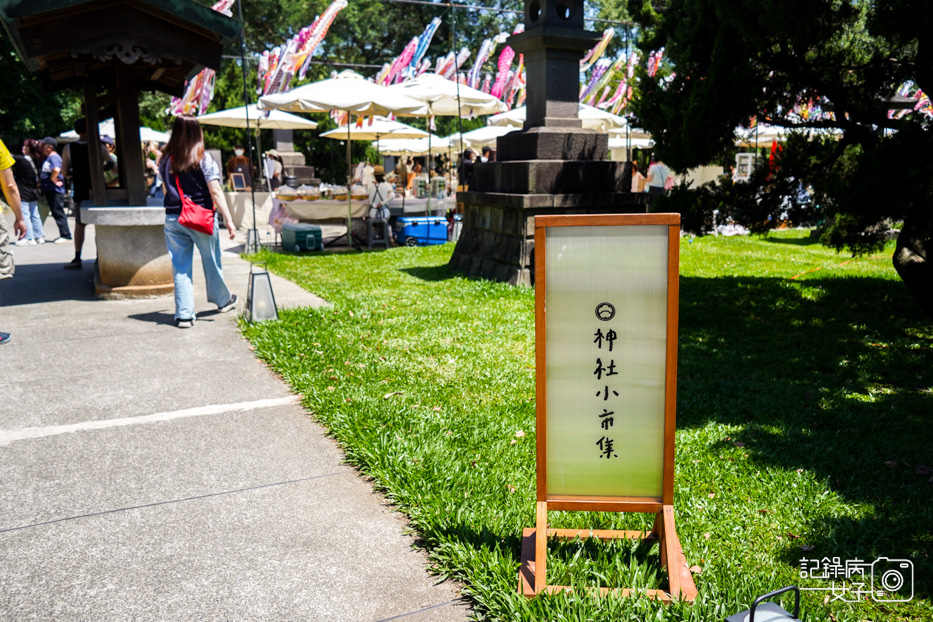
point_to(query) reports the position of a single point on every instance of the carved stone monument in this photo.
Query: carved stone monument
(551, 166)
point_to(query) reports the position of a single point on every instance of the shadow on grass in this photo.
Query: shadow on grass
(832, 376)
(792, 241)
(431, 273)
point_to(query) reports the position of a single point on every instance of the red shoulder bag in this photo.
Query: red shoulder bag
(194, 216)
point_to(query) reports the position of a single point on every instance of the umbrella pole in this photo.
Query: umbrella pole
(254, 238)
(261, 164)
(349, 185)
(430, 162)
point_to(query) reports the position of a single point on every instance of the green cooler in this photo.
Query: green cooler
(301, 236)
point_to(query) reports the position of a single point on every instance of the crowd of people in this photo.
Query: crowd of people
(43, 171)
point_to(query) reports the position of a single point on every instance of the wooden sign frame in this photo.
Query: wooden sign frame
(533, 569)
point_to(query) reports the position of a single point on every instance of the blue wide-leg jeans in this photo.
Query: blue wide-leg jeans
(181, 241)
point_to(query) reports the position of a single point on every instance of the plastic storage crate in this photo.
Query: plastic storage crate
(421, 230)
(301, 236)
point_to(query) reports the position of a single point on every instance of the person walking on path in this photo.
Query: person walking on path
(187, 166)
(11, 195)
(53, 186)
(76, 160)
(656, 179)
(26, 174)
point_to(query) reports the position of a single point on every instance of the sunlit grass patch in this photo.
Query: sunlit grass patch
(804, 399)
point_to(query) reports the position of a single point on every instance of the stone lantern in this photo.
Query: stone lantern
(552, 165)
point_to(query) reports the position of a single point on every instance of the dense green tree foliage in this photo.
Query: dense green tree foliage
(733, 61)
(26, 109)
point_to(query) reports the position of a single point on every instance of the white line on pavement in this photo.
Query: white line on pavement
(9, 436)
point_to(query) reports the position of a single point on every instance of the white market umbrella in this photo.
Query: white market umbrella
(449, 99)
(376, 130)
(486, 136)
(260, 119)
(592, 118)
(379, 127)
(108, 128)
(446, 98)
(348, 92)
(413, 146)
(631, 143)
(629, 138)
(251, 116)
(629, 132)
(761, 134)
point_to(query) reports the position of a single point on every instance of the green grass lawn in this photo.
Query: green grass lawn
(805, 408)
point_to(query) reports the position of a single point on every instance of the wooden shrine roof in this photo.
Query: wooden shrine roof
(71, 43)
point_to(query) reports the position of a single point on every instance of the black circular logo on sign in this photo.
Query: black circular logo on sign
(605, 311)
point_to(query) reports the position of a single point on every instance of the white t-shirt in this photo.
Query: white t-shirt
(379, 195)
(658, 172)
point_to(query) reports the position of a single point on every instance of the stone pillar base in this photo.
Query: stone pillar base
(497, 238)
(122, 292)
(132, 260)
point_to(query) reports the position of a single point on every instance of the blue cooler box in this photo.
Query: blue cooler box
(301, 236)
(415, 230)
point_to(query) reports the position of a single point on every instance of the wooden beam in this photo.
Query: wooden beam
(92, 117)
(129, 148)
(670, 374)
(540, 363)
(541, 547)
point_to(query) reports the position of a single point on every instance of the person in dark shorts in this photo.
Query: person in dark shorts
(76, 162)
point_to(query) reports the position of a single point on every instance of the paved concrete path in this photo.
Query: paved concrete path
(153, 473)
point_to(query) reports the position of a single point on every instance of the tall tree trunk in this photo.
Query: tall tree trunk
(912, 258)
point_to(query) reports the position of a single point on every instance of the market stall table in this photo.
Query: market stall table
(323, 209)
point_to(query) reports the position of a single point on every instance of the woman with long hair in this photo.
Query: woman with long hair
(28, 159)
(185, 164)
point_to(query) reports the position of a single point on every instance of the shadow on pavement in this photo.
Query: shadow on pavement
(47, 282)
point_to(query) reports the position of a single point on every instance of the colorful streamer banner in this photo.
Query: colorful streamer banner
(278, 68)
(401, 61)
(486, 50)
(602, 65)
(654, 62)
(200, 89)
(223, 6)
(422, 48)
(517, 83)
(504, 65)
(624, 91)
(598, 50)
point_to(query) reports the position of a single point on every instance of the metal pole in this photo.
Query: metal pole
(349, 185)
(453, 34)
(251, 240)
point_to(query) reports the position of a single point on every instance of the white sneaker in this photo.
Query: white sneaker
(25, 242)
(40, 241)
